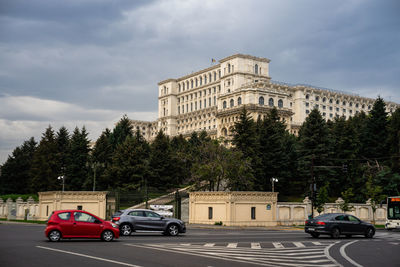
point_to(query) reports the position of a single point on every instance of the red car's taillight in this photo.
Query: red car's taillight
(320, 223)
(116, 219)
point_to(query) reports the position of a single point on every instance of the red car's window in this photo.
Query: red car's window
(64, 216)
(83, 217)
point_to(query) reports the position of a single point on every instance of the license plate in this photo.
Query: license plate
(311, 229)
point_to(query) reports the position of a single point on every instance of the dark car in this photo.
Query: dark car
(336, 224)
(131, 220)
(79, 224)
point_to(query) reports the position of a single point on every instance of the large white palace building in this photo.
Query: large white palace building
(212, 99)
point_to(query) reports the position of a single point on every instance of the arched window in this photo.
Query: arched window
(187, 85)
(179, 86)
(280, 103)
(197, 82)
(271, 102)
(224, 132)
(205, 79)
(229, 68)
(209, 77)
(307, 96)
(201, 80)
(215, 76)
(239, 100)
(224, 104)
(183, 86)
(261, 100)
(232, 103)
(256, 69)
(191, 84)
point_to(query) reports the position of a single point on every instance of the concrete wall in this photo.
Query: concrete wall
(19, 210)
(233, 208)
(93, 202)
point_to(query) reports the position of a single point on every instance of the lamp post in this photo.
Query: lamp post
(94, 165)
(62, 177)
(273, 180)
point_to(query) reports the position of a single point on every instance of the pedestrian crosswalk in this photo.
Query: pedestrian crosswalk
(282, 254)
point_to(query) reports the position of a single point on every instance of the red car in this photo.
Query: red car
(79, 224)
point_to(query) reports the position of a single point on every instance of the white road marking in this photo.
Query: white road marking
(209, 244)
(232, 245)
(344, 255)
(326, 252)
(299, 244)
(255, 246)
(317, 243)
(185, 244)
(277, 245)
(393, 243)
(88, 256)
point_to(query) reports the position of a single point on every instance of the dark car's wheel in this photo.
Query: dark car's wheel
(125, 229)
(315, 235)
(54, 236)
(369, 233)
(173, 230)
(107, 236)
(335, 233)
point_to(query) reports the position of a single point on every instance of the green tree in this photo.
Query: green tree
(322, 198)
(374, 194)
(62, 139)
(45, 167)
(347, 196)
(394, 140)
(78, 157)
(121, 131)
(102, 153)
(15, 172)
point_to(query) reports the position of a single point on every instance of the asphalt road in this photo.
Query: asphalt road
(26, 245)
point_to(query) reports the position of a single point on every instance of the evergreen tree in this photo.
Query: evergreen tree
(314, 148)
(375, 135)
(15, 172)
(394, 140)
(161, 163)
(62, 139)
(121, 131)
(102, 156)
(244, 135)
(45, 167)
(78, 157)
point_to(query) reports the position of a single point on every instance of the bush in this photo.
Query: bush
(218, 223)
(15, 196)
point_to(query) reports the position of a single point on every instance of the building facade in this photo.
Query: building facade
(211, 100)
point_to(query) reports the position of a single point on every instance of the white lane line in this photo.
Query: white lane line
(88, 256)
(209, 244)
(299, 244)
(326, 252)
(344, 255)
(277, 245)
(317, 243)
(232, 245)
(255, 246)
(185, 244)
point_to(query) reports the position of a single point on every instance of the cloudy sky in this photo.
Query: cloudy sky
(88, 62)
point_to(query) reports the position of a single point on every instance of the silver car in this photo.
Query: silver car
(131, 220)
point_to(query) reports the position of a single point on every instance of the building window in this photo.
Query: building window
(261, 100)
(253, 213)
(330, 101)
(280, 103)
(215, 76)
(196, 82)
(225, 132)
(239, 101)
(179, 110)
(229, 68)
(201, 81)
(256, 69)
(271, 102)
(337, 102)
(205, 79)
(307, 96)
(317, 98)
(187, 85)
(307, 104)
(191, 83)
(344, 103)
(215, 100)
(307, 111)
(210, 213)
(232, 103)
(324, 99)
(200, 104)
(224, 104)
(179, 86)
(209, 77)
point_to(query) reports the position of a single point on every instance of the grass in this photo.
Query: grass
(24, 221)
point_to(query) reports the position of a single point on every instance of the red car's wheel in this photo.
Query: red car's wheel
(54, 236)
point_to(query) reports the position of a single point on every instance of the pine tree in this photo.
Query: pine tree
(78, 157)
(244, 134)
(394, 140)
(45, 168)
(102, 156)
(62, 139)
(15, 172)
(121, 131)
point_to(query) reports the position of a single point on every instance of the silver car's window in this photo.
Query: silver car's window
(152, 214)
(136, 213)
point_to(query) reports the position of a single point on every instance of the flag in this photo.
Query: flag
(213, 60)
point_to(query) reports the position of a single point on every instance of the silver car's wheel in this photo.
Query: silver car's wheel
(107, 236)
(173, 230)
(54, 236)
(125, 229)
